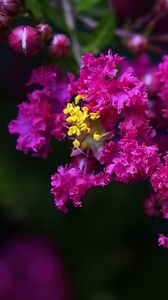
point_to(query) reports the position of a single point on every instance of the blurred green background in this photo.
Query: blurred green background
(109, 245)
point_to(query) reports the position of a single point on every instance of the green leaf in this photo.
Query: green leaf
(54, 15)
(103, 34)
(84, 5)
(34, 7)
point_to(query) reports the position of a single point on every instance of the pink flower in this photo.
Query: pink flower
(33, 125)
(163, 93)
(163, 241)
(69, 184)
(105, 88)
(107, 121)
(133, 162)
(145, 71)
(159, 180)
(41, 118)
(54, 86)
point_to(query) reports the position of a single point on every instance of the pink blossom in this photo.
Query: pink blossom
(54, 86)
(134, 162)
(145, 71)
(163, 241)
(69, 184)
(33, 125)
(105, 88)
(163, 93)
(159, 179)
(41, 118)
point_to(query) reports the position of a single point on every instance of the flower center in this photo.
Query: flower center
(85, 126)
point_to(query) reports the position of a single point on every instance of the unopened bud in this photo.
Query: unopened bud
(60, 46)
(26, 40)
(137, 43)
(9, 7)
(152, 206)
(4, 22)
(45, 32)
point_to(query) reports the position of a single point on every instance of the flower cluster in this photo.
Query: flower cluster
(41, 117)
(109, 115)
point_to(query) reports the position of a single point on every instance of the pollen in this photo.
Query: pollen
(68, 109)
(96, 136)
(84, 125)
(76, 143)
(94, 116)
(79, 97)
(73, 130)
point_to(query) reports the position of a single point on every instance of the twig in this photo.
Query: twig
(89, 22)
(69, 19)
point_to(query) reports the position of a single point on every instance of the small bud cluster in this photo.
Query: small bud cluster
(29, 41)
(8, 9)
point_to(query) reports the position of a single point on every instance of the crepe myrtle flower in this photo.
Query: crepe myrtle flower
(40, 117)
(104, 116)
(106, 121)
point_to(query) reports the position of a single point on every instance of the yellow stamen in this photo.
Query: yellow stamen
(68, 109)
(83, 124)
(96, 137)
(73, 130)
(79, 97)
(94, 116)
(71, 119)
(76, 143)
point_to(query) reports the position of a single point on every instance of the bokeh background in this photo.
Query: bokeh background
(108, 248)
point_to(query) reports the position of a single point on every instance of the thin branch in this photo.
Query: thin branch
(69, 19)
(89, 22)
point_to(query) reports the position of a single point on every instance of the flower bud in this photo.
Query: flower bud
(137, 43)
(152, 206)
(9, 7)
(45, 32)
(60, 46)
(26, 40)
(161, 5)
(4, 22)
